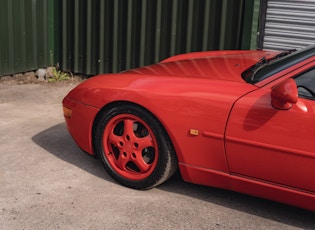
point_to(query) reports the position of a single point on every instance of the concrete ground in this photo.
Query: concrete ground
(47, 182)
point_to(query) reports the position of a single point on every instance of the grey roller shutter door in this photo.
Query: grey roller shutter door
(288, 24)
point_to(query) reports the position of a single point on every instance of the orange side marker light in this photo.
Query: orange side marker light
(194, 132)
(67, 112)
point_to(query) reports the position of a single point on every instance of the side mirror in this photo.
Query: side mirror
(284, 94)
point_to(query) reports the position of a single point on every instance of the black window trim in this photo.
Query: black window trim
(283, 63)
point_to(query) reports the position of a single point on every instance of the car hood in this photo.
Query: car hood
(219, 65)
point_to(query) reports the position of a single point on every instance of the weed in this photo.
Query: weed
(58, 75)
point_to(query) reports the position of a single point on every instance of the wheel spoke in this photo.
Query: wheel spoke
(128, 128)
(144, 142)
(143, 167)
(122, 161)
(115, 140)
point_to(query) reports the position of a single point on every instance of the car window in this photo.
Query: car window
(306, 84)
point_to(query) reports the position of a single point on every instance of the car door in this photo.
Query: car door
(274, 145)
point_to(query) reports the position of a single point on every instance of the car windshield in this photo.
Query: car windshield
(265, 68)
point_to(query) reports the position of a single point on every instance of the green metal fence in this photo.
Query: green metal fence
(24, 35)
(99, 36)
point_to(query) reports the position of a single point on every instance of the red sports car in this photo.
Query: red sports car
(237, 120)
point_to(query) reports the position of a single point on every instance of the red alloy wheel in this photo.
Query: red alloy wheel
(130, 147)
(133, 146)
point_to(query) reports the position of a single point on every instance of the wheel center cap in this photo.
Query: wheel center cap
(128, 147)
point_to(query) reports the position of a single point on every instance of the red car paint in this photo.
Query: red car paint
(225, 131)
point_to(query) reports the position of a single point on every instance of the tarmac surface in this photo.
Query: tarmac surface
(47, 182)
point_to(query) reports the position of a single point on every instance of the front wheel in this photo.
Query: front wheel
(134, 147)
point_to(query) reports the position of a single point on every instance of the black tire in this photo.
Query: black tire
(134, 147)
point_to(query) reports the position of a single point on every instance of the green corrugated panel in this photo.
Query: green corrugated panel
(4, 38)
(250, 25)
(24, 35)
(51, 25)
(255, 25)
(139, 32)
(100, 36)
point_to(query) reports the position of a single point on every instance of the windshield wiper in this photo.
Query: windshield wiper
(282, 54)
(249, 74)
